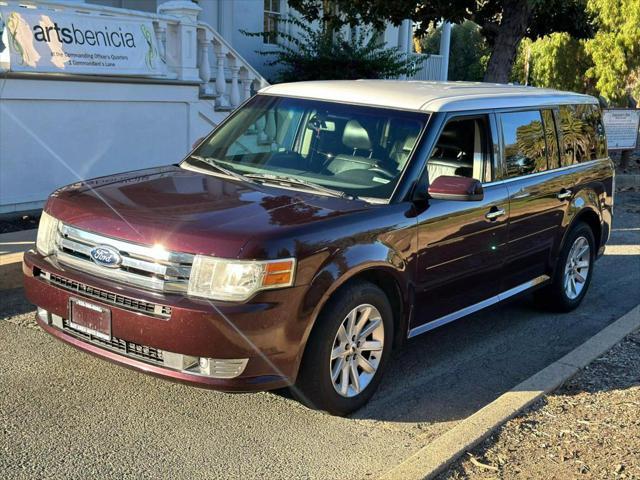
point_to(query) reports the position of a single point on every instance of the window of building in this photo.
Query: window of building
(551, 136)
(272, 13)
(461, 150)
(524, 143)
(583, 136)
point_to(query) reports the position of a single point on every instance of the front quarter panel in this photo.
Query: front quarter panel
(381, 239)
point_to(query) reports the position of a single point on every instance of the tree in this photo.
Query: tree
(554, 61)
(615, 50)
(504, 23)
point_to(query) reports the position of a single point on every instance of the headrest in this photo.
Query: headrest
(409, 142)
(355, 136)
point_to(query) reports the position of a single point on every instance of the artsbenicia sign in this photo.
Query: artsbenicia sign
(49, 41)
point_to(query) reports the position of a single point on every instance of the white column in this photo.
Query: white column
(445, 42)
(186, 51)
(246, 85)
(204, 67)
(234, 96)
(221, 79)
(403, 35)
(403, 39)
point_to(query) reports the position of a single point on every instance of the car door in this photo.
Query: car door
(461, 244)
(538, 194)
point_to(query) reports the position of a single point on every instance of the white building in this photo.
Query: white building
(231, 17)
(69, 112)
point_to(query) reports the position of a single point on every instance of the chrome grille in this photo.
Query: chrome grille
(121, 301)
(129, 349)
(142, 266)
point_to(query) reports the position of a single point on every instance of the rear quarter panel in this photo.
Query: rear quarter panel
(593, 185)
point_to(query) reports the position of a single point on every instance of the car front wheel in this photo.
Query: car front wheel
(347, 350)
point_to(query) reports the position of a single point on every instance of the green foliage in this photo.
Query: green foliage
(555, 61)
(607, 65)
(546, 15)
(316, 54)
(615, 50)
(503, 23)
(468, 53)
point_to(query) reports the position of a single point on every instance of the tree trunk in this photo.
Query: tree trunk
(515, 19)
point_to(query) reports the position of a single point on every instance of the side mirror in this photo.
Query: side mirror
(447, 187)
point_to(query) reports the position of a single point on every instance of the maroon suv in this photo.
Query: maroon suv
(320, 225)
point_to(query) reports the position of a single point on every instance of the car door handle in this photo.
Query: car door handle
(494, 213)
(564, 194)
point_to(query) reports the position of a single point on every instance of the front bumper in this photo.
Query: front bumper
(256, 346)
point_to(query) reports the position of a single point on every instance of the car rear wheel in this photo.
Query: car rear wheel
(573, 273)
(347, 351)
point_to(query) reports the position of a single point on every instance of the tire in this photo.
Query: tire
(559, 294)
(315, 386)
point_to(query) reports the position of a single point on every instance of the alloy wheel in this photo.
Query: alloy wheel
(576, 270)
(357, 350)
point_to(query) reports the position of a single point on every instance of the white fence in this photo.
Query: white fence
(433, 68)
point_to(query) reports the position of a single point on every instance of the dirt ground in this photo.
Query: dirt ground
(589, 428)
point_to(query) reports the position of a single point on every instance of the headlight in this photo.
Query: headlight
(47, 232)
(237, 280)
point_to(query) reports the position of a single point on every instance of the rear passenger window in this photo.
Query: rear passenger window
(553, 152)
(582, 134)
(524, 143)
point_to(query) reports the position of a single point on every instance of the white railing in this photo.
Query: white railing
(186, 46)
(432, 68)
(229, 78)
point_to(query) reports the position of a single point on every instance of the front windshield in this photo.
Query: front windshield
(358, 150)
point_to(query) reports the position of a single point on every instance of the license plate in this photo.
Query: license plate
(90, 318)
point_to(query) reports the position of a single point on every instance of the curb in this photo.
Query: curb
(437, 455)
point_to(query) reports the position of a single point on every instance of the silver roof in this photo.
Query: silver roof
(427, 96)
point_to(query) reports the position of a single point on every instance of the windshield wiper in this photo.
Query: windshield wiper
(291, 181)
(212, 162)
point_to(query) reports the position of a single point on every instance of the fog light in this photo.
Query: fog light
(222, 367)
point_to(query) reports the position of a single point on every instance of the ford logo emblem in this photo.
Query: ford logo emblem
(106, 256)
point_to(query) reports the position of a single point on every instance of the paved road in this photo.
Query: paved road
(66, 414)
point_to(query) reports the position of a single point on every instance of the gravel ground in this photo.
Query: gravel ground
(589, 428)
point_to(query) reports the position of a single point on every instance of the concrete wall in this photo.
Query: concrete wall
(56, 132)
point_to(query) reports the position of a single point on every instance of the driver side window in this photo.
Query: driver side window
(461, 150)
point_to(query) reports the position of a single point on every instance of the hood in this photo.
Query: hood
(189, 211)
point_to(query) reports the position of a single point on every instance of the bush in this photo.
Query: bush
(314, 54)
